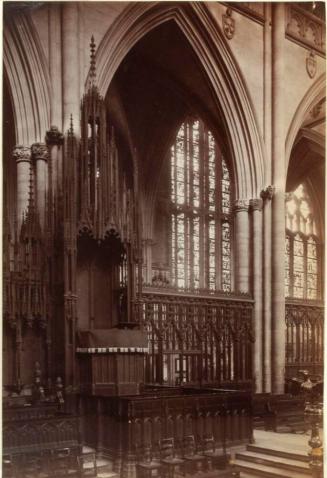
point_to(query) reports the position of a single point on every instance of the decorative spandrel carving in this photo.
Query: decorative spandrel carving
(22, 153)
(305, 28)
(228, 24)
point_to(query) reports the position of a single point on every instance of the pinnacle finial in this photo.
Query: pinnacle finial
(92, 62)
(71, 127)
(30, 206)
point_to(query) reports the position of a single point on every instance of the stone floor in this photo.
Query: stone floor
(280, 455)
(274, 455)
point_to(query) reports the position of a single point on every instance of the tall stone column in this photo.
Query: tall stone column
(70, 66)
(257, 254)
(22, 155)
(40, 155)
(242, 241)
(266, 196)
(278, 201)
(147, 256)
(54, 141)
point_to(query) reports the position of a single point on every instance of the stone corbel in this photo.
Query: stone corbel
(54, 137)
(311, 64)
(267, 194)
(228, 24)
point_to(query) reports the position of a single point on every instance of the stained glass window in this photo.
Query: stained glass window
(312, 268)
(200, 204)
(301, 251)
(287, 265)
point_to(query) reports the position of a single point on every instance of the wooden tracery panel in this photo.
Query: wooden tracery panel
(304, 338)
(196, 340)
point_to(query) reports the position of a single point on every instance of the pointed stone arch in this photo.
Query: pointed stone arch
(316, 93)
(209, 44)
(297, 132)
(26, 69)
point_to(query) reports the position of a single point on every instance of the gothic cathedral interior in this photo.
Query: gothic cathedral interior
(163, 233)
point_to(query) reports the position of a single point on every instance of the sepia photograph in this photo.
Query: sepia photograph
(163, 230)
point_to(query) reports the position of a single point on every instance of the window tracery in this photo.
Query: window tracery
(301, 248)
(200, 210)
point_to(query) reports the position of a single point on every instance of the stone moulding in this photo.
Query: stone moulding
(305, 28)
(26, 69)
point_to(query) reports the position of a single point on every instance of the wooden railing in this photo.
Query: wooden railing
(304, 338)
(37, 429)
(196, 340)
(121, 427)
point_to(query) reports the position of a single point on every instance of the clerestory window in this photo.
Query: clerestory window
(302, 251)
(200, 210)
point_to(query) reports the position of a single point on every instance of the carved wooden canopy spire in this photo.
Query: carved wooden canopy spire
(31, 225)
(93, 73)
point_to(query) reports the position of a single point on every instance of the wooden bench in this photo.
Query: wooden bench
(34, 439)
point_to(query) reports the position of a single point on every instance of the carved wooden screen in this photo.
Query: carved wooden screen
(196, 340)
(304, 338)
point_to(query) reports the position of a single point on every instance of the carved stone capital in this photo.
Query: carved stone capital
(22, 153)
(40, 151)
(228, 24)
(256, 204)
(241, 205)
(54, 137)
(267, 194)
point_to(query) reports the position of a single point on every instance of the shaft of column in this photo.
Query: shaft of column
(256, 209)
(22, 155)
(242, 238)
(55, 63)
(70, 66)
(54, 141)
(148, 260)
(40, 155)
(278, 201)
(267, 204)
(267, 196)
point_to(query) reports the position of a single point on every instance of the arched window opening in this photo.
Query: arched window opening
(200, 210)
(302, 261)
